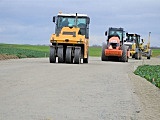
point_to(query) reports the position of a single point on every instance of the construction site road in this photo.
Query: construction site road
(34, 89)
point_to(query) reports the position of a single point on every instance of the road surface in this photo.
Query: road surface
(34, 89)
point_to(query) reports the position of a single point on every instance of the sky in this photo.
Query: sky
(30, 21)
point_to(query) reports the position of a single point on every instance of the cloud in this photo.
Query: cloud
(30, 21)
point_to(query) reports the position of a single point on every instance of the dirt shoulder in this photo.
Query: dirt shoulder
(148, 95)
(5, 57)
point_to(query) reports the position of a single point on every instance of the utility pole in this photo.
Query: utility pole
(149, 36)
(149, 39)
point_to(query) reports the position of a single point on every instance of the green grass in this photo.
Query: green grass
(25, 51)
(149, 72)
(43, 51)
(95, 51)
(155, 52)
(42, 48)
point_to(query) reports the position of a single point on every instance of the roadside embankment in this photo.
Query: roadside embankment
(148, 95)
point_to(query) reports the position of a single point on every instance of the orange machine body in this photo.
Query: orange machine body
(113, 47)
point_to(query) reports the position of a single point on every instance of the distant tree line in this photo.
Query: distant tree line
(95, 46)
(155, 47)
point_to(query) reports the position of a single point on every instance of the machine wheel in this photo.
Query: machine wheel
(133, 56)
(136, 56)
(149, 57)
(103, 57)
(69, 58)
(140, 55)
(149, 54)
(52, 56)
(60, 54)
(124, 57)
(85, 60)
(77, 55)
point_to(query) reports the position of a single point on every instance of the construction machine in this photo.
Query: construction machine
(146, 50)
(133, 42)
(115, 48)
(137, 49)
(70, 42)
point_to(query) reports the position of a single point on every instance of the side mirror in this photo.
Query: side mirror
(88, 20)
(106, 33)
(54, 19)
(127, 34)
(142, 40)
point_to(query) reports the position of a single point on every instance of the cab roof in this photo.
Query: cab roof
(132, 34)
(70, 14)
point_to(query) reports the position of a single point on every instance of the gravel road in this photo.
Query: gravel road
(34, 89)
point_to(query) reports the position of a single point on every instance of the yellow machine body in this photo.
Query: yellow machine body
(70, 42)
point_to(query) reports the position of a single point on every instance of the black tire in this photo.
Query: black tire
(149, 54)
(133, 56)
(69, 58)
(124, 57)
(52, 56)
(85, 60)
(103, 57)
(149, 57)
(140, 55)
(60, 54)
(136, 56)
(77, 55)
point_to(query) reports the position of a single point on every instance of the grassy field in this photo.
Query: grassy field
(95, 51)
(150, 73)
(23, 51)
(155, 52)
(42, 48)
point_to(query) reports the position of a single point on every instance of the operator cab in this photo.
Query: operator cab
(72, 20)
(133, 38)
(115, 32)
